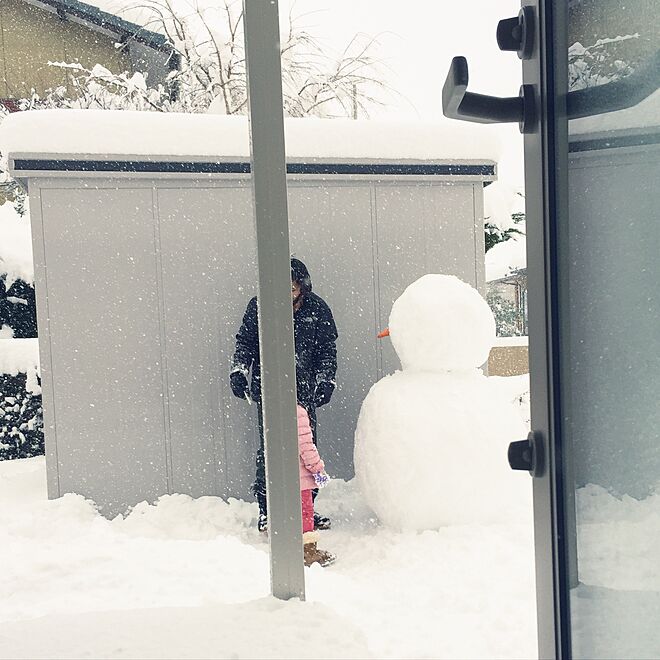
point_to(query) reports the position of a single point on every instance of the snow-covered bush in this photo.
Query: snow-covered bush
(100, 89)
(600, 63)
(10, 190)
(509, 317)
(21, 426)
(21, 422)
(495, 234)
(17, 301)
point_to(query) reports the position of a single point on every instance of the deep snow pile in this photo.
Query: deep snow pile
(431, 440)
(189, 579)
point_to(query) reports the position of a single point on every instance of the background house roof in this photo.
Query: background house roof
(94, 16)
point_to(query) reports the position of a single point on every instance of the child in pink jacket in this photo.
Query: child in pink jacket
(312, 475)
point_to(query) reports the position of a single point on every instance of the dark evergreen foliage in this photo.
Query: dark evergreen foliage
(18, 309)
(495, 235)
(21, 420)
(508, 317)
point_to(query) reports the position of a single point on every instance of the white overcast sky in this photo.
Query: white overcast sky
(417, 40)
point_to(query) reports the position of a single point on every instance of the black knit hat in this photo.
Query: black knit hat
(300, 274)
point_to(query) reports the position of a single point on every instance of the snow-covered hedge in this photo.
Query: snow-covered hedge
(21, 426)
(17, 303)
(21, 421)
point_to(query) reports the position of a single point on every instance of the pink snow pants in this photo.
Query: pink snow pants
(307, 510)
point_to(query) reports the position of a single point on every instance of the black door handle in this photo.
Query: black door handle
(458, 103)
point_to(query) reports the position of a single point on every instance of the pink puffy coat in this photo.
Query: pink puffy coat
(310, 461)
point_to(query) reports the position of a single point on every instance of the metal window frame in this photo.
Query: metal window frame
(546, 184)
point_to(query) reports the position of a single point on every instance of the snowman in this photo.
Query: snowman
(431, 440)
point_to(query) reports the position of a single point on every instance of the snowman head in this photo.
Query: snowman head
(440, 323)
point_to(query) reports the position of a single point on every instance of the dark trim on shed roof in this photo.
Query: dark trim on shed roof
(615, 142)
(238, 167)
(124, 29)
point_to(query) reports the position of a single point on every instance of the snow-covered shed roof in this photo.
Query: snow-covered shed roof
(123, 136)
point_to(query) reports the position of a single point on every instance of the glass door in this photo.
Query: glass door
(589, 107)
(592, 172)
(608, 322)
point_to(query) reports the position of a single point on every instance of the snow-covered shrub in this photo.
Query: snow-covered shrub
(17, 301)
(101, 89)
(10, 190)
(495, 234)
(21, 422)
(509, 317)
(21, 426)
(17, 308)
(600, 63)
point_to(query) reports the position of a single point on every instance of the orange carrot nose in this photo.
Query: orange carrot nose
(384, 333)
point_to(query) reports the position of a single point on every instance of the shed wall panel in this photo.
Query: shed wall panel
(611, 401)
(422, 228)
(208, 260)
(105, 354)
(147, 284)
(331, 231)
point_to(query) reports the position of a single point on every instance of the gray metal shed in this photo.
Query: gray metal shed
(145, 261)
(613, 411)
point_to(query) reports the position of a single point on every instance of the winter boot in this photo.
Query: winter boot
(312, 554)
(262, 522)
(321, 522)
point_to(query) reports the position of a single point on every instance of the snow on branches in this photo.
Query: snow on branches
(600, 63)
(208, 38)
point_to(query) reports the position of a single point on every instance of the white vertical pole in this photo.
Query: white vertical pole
(278, 374)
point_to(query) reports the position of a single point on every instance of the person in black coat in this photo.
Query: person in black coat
(315, 335)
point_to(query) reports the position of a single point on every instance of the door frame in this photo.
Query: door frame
(546, 186)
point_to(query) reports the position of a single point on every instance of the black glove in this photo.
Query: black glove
(323, 392)
(239, 384)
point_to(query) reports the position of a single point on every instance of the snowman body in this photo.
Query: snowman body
(431, 440)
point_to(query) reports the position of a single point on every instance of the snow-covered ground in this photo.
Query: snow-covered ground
(189, 578)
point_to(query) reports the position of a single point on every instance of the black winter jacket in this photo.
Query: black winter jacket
(315, 335)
